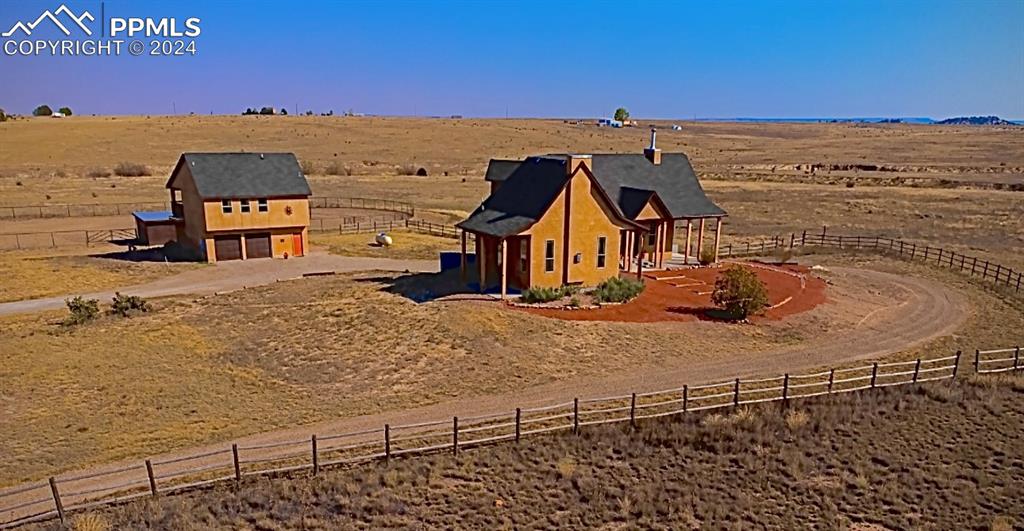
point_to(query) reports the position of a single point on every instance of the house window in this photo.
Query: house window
(549, 256)
(524, 251)
(225, 206)
(602, 245)
(244, 206)
(651, 242)
(261, 205)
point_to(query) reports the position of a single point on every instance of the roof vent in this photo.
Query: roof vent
(261, 156)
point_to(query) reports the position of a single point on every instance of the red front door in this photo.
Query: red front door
(297, 244)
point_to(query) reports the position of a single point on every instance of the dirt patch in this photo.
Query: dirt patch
(685, 295)
(936, 456)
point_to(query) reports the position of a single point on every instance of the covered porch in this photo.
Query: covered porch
(500, 263)
(655, 249)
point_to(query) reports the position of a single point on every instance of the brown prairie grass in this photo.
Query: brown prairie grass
(407, 245)
(880, 458)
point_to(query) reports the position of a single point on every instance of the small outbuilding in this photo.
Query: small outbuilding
(154, 228)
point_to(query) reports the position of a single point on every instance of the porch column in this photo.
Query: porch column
(700, 240)
(689, 234)
(503, 268)
(629, 251)
(481, 260)
(640, 258)
(462, 261)
(718, 236)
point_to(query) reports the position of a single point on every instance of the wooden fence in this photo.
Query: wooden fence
(967, 264)
(63, 238)
(116, 209)
(377, 225)
(58, 496)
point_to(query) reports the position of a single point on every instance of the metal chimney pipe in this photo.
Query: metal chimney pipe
(654, 137)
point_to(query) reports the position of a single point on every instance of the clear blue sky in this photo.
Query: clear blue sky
(673, 59)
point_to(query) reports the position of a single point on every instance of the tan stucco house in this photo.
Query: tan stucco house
(555, 220)
(238, 206)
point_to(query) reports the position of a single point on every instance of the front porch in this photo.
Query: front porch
(656, 249)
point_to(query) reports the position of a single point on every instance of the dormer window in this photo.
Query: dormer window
(261, 205)
(245, 206)
(225, 206)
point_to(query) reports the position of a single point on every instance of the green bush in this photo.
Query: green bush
(66, 111)
(739, 292)
(42, 110)
(707, 256)
(535, 295)
(124, 305)
(81, 310)
(617, 289)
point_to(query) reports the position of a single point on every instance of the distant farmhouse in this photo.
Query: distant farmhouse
(236, 206)
(555, 220)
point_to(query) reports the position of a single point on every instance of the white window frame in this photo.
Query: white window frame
(549, 261)
(225, 206)
(262, 205)
(602, 251)
(524, 251)
(243, 206)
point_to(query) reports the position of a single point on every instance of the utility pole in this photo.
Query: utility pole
(174, 108)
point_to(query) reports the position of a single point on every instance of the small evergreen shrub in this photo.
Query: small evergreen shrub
(81, 311)
(707, 257)
(124, 305)
(131, 169)
(617, 289)
(536, 295)
(739, 292)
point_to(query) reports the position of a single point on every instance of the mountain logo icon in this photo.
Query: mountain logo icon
(55, 18)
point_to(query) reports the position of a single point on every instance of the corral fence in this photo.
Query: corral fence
(379, 225)
(64, 238)
(23, 212)
(58, 496)
(967, 264)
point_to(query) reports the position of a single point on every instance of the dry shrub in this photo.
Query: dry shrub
(337, 168)
(308, 167)
(797, 419)
(131, 169)
(90, 522)
(566, 467)
(406, 169)
(98, 172)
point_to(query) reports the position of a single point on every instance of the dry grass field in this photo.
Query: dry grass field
(204, 370)
(42, 273)
(936, 456)
(407, 245)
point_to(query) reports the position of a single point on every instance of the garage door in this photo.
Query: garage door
(228, 247)
(257, 245)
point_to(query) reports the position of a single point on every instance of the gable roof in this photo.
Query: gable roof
(525, 196)
(630, 180)
(244, 175)
(500, 169)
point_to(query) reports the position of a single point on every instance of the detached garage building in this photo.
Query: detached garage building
(238, 206)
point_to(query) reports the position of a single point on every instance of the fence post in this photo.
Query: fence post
(792, 240)
(785, 387)
(1016, 358)
(519, 415)
(984, 273)
(316, 457)
(874, 374)
(387, 442)
(831, 379)
(576, 415)
(974, 264)
(455, 436)
(956, 364)
(977, 361)
(803, 238)
(152, 477)
(56, 499)
(686, 397)
(632, 411)
(238, 466)
(917, 369)
(913, 250)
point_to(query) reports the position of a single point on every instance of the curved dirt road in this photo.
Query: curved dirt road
(928, 310)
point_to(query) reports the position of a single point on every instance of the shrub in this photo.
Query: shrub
(784, 255)
(124, 305)
(406, 169)
(337, 168)
(66, 111)
(98, 172)
(3, 115)
(131, 169)
(535, 295)
(707, 256)
(81, 310)
(42, 110)
(617, 289)
(739, 292)
(90, 522)
(307, 167)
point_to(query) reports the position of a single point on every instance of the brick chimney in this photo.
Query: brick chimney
(574, 161)
(652, 153)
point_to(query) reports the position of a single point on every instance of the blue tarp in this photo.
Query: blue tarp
(150, 217)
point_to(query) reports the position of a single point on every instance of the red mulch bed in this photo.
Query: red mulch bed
(685, 295)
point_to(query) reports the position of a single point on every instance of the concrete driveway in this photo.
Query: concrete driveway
(226, 276)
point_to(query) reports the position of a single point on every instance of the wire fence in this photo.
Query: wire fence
(378, 225)
(58, 496)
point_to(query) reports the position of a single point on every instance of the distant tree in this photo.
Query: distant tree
(43, 110)
(249, 111)
(309, 113)
(66, 111)
(267, 110)
(3, 116)
(621, 114)
(284, 112)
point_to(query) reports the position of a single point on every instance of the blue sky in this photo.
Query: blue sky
(660, 59)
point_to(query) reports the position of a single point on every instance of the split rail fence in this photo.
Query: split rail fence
(58, 496)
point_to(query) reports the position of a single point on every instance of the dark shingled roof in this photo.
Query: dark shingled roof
(630, 181)
(500, 169)
(245, 175)
(529, 189)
